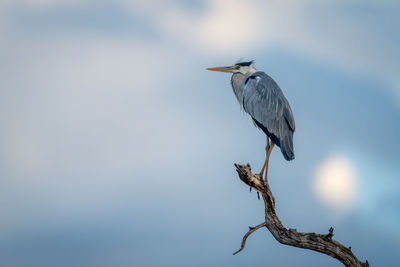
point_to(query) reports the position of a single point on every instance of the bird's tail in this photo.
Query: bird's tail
(287, 146)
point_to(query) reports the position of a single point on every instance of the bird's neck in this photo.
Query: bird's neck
(237, 82)
(252, 70)
(248, 71)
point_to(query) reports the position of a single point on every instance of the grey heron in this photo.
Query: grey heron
(260, 96)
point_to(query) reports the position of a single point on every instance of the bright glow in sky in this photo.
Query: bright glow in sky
(336, 183)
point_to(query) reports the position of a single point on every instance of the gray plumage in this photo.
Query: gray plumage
(261, 97)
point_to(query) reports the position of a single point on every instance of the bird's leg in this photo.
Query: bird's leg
(266, 154)
(267, 161)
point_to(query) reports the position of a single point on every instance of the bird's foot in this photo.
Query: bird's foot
(258, 194)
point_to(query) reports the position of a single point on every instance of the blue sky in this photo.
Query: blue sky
(117, 147)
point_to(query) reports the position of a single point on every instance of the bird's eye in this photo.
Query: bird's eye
(236, 67)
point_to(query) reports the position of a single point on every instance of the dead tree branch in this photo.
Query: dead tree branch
(251, 230)
(322, 243)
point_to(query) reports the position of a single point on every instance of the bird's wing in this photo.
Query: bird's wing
(265, 102)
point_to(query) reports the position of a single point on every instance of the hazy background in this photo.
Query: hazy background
(117, 147)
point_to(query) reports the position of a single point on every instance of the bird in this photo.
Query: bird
(261, 97)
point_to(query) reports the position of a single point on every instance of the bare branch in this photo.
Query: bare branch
(251, 230)
(322, 243)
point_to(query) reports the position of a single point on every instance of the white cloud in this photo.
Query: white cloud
(87, 121)
(321, 30)
(230, 26)
(73, 90)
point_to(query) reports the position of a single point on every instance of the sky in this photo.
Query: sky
(117, 146)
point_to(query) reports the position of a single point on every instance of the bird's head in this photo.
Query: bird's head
(247, 68)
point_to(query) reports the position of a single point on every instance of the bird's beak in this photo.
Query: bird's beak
(223, 69)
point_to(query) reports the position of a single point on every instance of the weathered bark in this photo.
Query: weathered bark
(318, 242)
